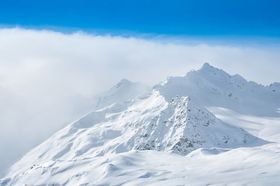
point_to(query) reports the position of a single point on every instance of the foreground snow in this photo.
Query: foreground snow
(243, 166)
(165, 136)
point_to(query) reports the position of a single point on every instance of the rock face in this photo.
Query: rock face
(181, 127)
(130, 116)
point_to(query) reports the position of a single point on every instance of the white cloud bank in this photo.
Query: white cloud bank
(48, 78)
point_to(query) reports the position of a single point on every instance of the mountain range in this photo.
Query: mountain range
(204, 128)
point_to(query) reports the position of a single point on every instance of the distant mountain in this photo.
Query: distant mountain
(123, 92)
(131, 117)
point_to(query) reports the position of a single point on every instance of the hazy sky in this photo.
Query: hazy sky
(48, 79)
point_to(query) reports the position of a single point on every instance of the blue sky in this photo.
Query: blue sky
(249, 18)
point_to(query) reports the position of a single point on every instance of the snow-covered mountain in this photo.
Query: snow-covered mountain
(210, 86)
(167, 127)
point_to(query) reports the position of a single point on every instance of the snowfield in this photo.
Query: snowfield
(206, 128)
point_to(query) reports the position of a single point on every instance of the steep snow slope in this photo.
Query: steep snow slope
(212, 87)
(136, 136)
(149, 124)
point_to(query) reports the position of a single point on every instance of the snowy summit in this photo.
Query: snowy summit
(207, 124)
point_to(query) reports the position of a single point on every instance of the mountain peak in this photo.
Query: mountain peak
(207, 65)
(123, 82)
(209, 69)
(124, 91)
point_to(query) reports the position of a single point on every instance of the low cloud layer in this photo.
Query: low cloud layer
(48, 79)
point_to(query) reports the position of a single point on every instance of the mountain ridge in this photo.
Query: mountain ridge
(213, 87)
(131, 117)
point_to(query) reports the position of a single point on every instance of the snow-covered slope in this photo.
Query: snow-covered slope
(151, 123)
(165, 136)
(212, 87)
(242, 166)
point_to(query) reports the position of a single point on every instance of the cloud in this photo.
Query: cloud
(47, 79)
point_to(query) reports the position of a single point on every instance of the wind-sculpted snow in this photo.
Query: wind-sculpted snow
(248, 166)
(165, 136)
